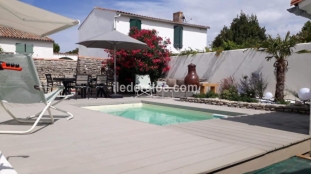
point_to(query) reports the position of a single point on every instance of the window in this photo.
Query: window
(178, 37)
(24, 48)
(135, 23)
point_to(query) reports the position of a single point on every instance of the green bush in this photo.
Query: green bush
(211, 94)
(230, 94)
(233, 95)
(283, 102)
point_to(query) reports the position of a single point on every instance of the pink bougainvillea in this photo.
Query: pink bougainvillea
(152, 61)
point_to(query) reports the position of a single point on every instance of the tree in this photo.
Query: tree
(305, 34)
(243, 32)
(152, 61)
(56, 48)
(279, 50)
(75, 51)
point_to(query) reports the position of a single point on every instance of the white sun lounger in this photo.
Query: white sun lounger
(143, 84)
(24, 87)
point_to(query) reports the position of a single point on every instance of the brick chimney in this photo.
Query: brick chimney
(178, 17)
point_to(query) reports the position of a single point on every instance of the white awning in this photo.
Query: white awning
(31, 19)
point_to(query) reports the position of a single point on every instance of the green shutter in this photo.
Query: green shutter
(20, 48)
(29, 48)
(178, 37)
(135, 23)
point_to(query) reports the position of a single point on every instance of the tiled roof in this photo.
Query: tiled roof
(295, 2)
(17, 34)
(151, 18)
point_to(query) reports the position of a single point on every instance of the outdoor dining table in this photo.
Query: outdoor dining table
(66, 81)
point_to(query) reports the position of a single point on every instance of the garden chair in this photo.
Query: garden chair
(143, 85)
(101, 85)
(83, 83)
(23, 87)
(49, 82)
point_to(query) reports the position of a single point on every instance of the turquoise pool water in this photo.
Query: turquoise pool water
(154, 114)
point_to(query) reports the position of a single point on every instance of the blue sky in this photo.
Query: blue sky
(271, 13)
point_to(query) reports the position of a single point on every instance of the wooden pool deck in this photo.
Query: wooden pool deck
(95, 142)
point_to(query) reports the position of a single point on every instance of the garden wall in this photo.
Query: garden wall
(237, 63)
(67, 67)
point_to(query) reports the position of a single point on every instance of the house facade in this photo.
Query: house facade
(13, 41)
(301, 8)
(182, 35)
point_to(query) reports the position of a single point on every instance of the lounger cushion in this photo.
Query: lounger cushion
(171, 82)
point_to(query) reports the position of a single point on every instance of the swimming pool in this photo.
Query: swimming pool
(155, 114)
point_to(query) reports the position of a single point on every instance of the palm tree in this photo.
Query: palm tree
(279, 50)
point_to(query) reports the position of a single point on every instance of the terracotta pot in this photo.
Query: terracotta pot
(192, 78)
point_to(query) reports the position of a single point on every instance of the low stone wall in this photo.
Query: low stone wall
(90, 66)
(55, 67)
(58, 67)
(302, 109)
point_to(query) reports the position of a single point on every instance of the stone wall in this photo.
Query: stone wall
(67, 67)
(55, 67)
(90, 66)
(302, 109)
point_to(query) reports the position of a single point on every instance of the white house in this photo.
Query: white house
(302, 8)
(13, 41)
(182, 35)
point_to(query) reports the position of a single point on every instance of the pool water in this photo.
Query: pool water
(154, 114)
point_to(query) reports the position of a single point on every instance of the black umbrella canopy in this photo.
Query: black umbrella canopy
(114, 38)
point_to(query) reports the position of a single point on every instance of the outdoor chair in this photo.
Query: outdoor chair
(143, 85)
(24, 87)
(49, 83)
(82, 83)
(101, 85)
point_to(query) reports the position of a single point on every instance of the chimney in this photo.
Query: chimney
(178, 17)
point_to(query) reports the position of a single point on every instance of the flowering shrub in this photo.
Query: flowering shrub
(152, 61)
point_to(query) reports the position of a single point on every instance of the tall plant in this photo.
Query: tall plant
(278, 50)
(253, 86)
(152, 61)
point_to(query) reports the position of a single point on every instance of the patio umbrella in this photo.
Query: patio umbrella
(114, 40)
(28, 18)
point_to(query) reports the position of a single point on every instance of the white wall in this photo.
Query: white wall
(98, 22)
(238, 63)
(42, 49)
(72, 56)
(194, 38)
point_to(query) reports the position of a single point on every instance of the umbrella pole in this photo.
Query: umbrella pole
(115, 68)
(115, 95)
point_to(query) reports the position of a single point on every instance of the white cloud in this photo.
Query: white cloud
(272, 14)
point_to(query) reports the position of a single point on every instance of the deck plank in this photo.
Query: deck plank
(226, 137)
(220, 138)
(165, 158)
(208, 165)
(242, 134)
(259, 128)
(196, 158)
(250, 130)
